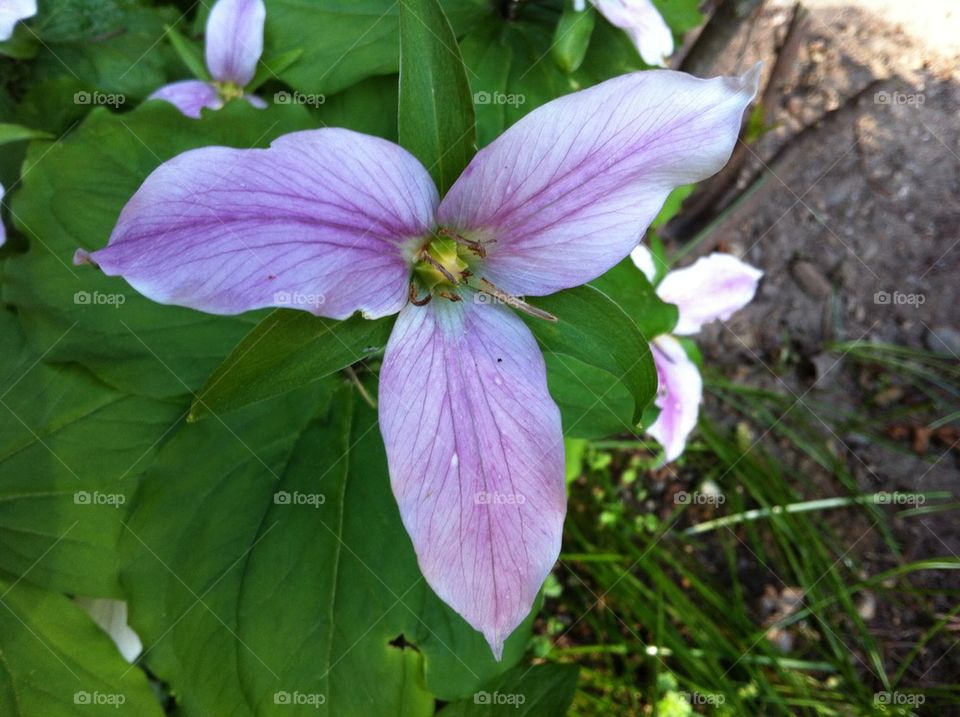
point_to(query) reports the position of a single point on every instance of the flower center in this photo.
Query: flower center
(449, 261)
(229, 91)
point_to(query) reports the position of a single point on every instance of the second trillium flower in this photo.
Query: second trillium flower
(713, 288)
(234, 44)
(472, 436)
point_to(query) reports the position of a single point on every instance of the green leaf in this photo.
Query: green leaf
(522, 692)
(631, 289)
(71, 451)
(56, 662)
(287, 350)
(189, 53)
(260, 586)
(77, 313)
(343, 41)
(593, 403)
(272, 68)
(16, 133)
(594, 329)
(572, 37)
(436, 110)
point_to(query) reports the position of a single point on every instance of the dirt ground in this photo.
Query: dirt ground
(856, 222)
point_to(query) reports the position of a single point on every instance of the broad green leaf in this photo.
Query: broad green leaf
(593, 403)
(71, 451)
(511, 71)
(680, 15)
(56, 662)
(287, 350)
(436, 111)
(189, 54)
(369, 106)
(16, 133)
(343, 41)
(286, 571)
(594, 329)
(118, 52)
(631, 289)
(522, 692)
(572, 37)
(271, 68)
(77, 313)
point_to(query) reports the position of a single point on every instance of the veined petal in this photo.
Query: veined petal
(713, 287)
(641, 20)
(678, 397)
(475, 452)
(12, 12)
(567, 192)
(234, 40)
(256, 101)
(190, 96)
(111, 616)
(315, 222)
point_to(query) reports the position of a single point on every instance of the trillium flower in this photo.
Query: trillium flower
(714, 287)
(234, 44)
(12, 12)
(111, 616)
(642, 22)
(353, 223)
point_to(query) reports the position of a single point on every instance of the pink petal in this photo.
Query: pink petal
(476, 461)
(111, 616)
(190, 96)
(714, 287)
(3, 229)
(679, 396)
(315, 222)
(641, 20)
(568, 191)
(642, 258)
(12, 12)
(234, 41)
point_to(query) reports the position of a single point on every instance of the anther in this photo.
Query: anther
(413, 296)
